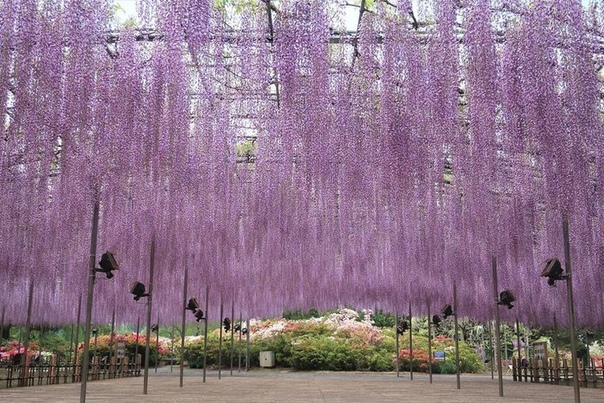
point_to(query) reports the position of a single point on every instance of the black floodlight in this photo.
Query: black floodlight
(199, 316)
(155, 328)
(244, 331)
(192, 305)
(447, 311)
(94, 331)
(553, 271)
(227, 324)
(138, 290)
(436, 320)
(108, 264)
(402, 327)
(237, 327)
(506, 297)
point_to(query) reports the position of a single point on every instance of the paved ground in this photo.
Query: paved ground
(273, 385)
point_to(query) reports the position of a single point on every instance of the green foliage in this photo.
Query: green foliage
(246, 150)
(237, 5)
(382, 319)
(448, 367)
(301, 315)
(323, 353)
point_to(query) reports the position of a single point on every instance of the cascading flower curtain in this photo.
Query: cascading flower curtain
(289, 164)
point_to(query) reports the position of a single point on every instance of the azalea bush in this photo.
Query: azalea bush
(339, 341)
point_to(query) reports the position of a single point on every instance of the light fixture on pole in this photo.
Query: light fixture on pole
(138, 290)
(402, 327)
(552, 269)
(447, 311)
(226, 323)
(506, 297)
(199, 316)
(192, 305)
(108, 265)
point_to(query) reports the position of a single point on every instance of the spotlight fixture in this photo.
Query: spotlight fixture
(155, 328)
(506, 297)
(108, 264)
(237, 327)
(553, 271)
(402, 327)
(227, 324)
(138, 289)
(447, 311)
(199, 316)
(436, 320)
(244, 331)
(192, 305)
(94, 331)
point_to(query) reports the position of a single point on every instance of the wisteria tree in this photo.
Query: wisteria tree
(379, 165)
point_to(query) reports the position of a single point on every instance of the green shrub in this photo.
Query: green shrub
(447, 367)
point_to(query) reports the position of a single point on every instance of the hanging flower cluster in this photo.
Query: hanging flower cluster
(379, 167)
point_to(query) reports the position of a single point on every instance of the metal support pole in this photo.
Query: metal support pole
(527, 342)
(247, 346)
(71, 343)
(497, 327)
(410, 345)
(91, 278)
(233, 335)
(396, 343)
(182, 327)
(518, 343)
(240, 348)
(77, 334)
(492, 353)
(456, 316)
(571, 309)
(205, 335)
(111, 342)
(172, 346)
(157, 341)
(429, 343)
(2, 323)
(220, 339)
(556, 351)
(149, 307)
(138, 327)
(96, 338)
(30, 300)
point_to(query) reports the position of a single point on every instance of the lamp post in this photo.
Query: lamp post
(410, 345)
(429, 343)
(108, 264)
(553, 271)
(457, 367)
(397, 345)
(205, 335)
(95, 333)
(183, 324)
(497, 327)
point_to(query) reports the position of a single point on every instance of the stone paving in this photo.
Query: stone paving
(275, 385)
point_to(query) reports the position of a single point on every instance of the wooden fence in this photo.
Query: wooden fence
(558, 372)
(52, 372)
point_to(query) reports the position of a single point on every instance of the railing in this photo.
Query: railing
(559, 373)
(52, 372)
